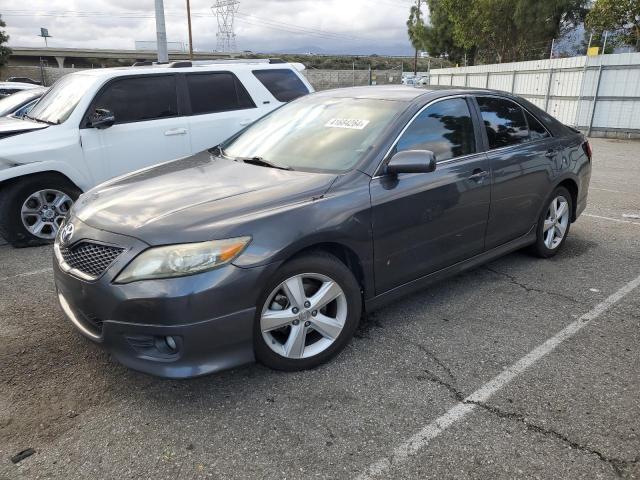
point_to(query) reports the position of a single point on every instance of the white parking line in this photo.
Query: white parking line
(610, 219)
(26, 274)
(423, 437)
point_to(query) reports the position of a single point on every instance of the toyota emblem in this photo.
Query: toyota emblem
(67, 233)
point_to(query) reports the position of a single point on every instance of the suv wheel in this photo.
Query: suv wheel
(33, 208)
(307, 314)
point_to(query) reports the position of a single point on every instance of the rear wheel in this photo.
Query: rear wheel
(32, 209)
(554, 223)
(307, 314)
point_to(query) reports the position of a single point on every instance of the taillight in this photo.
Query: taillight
(587, 149)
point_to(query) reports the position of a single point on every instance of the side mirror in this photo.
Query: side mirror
(101, 118)
(412, 161)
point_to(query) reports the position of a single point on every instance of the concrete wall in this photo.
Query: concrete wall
(46, 75)
(597, 94)
(325, 79)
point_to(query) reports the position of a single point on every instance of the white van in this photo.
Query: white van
(97, 124)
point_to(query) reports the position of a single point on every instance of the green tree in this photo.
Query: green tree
(416, 30)
(616, 15)
(438, 37)
(4, 38)
(505, 30)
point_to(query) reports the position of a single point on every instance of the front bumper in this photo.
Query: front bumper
(209, 317)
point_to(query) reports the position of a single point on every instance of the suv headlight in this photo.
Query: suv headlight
(183, 259)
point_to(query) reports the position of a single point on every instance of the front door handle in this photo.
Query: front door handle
(244, 123)
(478, 175)
(550, 153)
(175, 131)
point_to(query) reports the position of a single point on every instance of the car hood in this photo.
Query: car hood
(184, 200)
(12, 126)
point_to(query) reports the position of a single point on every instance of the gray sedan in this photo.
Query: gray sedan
(272, 245)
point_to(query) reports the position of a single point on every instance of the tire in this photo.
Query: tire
(338, 318)
(545, 246)
(20, 205)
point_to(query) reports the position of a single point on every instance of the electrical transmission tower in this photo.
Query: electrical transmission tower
(225, 11)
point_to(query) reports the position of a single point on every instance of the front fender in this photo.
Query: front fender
(75, 176)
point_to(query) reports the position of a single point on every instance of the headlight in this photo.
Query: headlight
(181, 260)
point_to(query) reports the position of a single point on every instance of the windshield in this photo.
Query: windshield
(58, 103)
(316, 133)
(10, 103)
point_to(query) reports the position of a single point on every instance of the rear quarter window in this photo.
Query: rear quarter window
(283, 83)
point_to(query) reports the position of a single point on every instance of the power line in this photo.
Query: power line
(245, 18)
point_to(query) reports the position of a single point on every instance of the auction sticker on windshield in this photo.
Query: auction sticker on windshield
(352, 123)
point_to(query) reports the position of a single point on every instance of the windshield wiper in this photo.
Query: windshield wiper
(39, 120)
(262, 162)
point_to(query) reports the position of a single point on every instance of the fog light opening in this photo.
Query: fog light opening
(171, 343)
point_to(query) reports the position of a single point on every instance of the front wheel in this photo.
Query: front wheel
(33, 208)
(307, 314)
(554, 223)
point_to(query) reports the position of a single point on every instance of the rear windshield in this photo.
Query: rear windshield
(316, 133)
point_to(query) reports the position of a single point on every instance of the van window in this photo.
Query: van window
(217, 92)
(282, 83)
(140, 98)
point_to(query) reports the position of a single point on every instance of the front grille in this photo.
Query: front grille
(90, 258)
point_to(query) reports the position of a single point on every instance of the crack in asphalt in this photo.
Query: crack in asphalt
(435, 358)
(621, 467)
(528, 288)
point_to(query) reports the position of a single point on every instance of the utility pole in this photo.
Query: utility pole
(415, 58)
(161, 33)
(604, 44)
(189, 25)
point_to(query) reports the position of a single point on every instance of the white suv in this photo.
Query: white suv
(97, 124)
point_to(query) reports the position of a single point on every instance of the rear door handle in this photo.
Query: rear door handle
(478, 175)
(244, 123)
(175, 131)
(550, 153)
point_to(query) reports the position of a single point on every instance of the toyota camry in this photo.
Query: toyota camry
(272, 245)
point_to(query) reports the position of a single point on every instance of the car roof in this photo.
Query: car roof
(376, 92)
(18, 85)
(405, 92)
(168, 68)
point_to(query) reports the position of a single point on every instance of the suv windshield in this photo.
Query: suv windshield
(316, 133)
(58, 103)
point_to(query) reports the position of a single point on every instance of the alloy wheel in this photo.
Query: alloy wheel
(43, 212)
(556, 222)
(304, 315)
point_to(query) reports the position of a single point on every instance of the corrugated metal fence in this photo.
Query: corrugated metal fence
(599, 95)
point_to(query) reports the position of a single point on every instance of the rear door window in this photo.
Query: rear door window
(504, 122)
(217, 92)
(140, 98)
(283, 83)
(445, 128)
